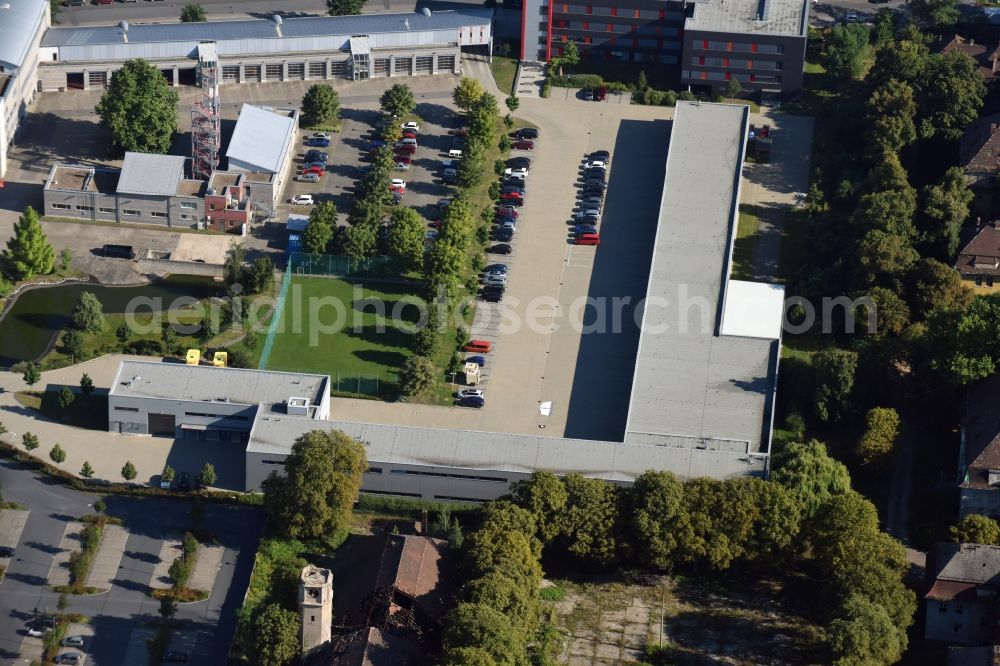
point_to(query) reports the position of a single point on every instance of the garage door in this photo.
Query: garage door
(446, 63)
(425, 64)
(162, 425)
(97, 79)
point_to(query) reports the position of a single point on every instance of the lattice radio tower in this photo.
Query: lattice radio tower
(206, 122)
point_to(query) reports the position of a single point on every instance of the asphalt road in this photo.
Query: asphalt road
(114, 614)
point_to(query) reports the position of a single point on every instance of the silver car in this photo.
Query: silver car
(307, 178)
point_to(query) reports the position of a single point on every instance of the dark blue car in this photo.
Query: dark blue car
(318, 143)
(478, 360)
(471, 401)
(584, 229)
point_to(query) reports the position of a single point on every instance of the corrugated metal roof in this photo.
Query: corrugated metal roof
(19, 22)
(402, 445)
(770, 17)
(261, 138)
(146, 173)
(689, 381)
(177, 381)
(312, 26)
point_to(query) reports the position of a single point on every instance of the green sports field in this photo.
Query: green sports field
(346, 330)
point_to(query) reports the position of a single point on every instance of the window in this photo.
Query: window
(156, 213)
(133, 213)
(452, 498)
(191, 205)
(187, 217)
(942, 607)
(126, 409)
(386, 492)
(230, 72)
(317, 70)
(374, 470)
(296, 70)
(232, 417)
(444, 475)
(61, 206)
(107, 211)
(88, 209)
(272, 462)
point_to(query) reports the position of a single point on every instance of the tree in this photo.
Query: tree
(319, 230)
(962, 347)
(936, 13)
(951, 97)
(732, 89)
(139, 109)
(123, 333)
(28, 252)
(73, 344)
(32, 373)
(512, 102)
(320, 104)
(88, 314)
(885, 256)
(360, 242)
(416, 375)
(168, 607)
(86, 471)
(945, 209)
(478, 626)
(545, 496)
(865, 634)
(207, 476)
(891, 112)
(571, 55)
(810, 474)
(882, 312)
(398, 100)
(405, 242)
(881, 433)
(834, 371)
(505, 595)
(276, 636)
(344, 7)
(658, 519)
(936, 285)
(975, 528)
(86, 384)
(66, 258)
(641, 82)
(65, 397)
(192, 13)
(589, 519)
(168, 337)
(57, 454)
(322, 479)
(30, 441)
(168, 473)
(845, 49)
(128, 471)
(467, 93)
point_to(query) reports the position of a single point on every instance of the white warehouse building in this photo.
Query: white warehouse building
(276, 49)
(22, 24)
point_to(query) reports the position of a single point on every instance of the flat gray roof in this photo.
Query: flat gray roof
(19, 22)
(689, 381)
(765, 17)
(148, 173)
(403, 445)
(178, 381)
(314, 26)
(261, 137)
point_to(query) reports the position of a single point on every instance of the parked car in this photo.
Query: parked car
(498, 279)
(376, 144)
(408, 141)
(601, 93)
(449, 173)
(44, 621)
(471, 401)
(501, 248)
(602, 155)
(596, 164)
(309, 165)
(36, 632)
(478, 346)
(302, 200)
(398, 182)
(397, 190)
(588, 239)
(503, 234)
(590, 221)
(493, 294)
(73, 641)
(581, 229)
(478, 360)
(507, 209)
(402, 166)
(588, 212)
(597, 183)
(410, 135)
(518, 171)
(318, 170)
(527, 133)
(461, 131)
(455, 153)
(588, 94)
(408, 148)
(514, 198)
(443, 203)
(410, 126)
(524, 144)
(6, 551)
(519, 162)
(402, 158)
(318, 143)
(595, 173)
(470, 392)
(69, 658)
(320, 135)
(317, 156)
(496, 269)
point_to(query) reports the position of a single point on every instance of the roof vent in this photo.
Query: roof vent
(426, 11)
(124, 26)
(277, 24)
(406, 22)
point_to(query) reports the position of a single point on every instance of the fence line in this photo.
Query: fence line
(279, 309)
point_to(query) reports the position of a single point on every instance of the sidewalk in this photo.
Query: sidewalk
(59, 571)
(206, 567)
(108, 557)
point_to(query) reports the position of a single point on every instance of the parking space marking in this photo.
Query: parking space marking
(11, 525)
(206, 568)
(170, 550)
(109, 555)
(59, 571)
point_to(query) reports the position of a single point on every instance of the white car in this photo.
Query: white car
(402, 166)
(307, 178)
(596, 164)
(520, 172)
(320, 135)
(302, 200)
(73, 641)
(398, 182)
(588, 212)
(36, 631)
(472, 393)
(410, 126)
(495, 279)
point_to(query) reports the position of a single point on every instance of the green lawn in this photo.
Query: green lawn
(504, 70)
(327, 327)
(746, 242)
(86, 411)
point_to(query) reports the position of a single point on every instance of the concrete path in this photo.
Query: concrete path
(530, 79)
(31, 650)
(59, 572)
(137, 652)
(105, 568)
(11, 525)
(169, 551)
(476, 67)
(206, 568)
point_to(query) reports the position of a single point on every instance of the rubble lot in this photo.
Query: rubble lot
(612, 622)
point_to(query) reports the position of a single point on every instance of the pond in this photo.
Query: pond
(38, 315)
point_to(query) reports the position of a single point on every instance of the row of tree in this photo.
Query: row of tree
(806, 517)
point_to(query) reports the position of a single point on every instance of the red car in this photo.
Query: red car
(402, 157)
(406, 148)
(313, 169)
(459, 132)
(523, 145)
(478, 346)
(588, 239)
(409, 134)
(435, 224)
(397, 189)
(507, 211)
(512, 197)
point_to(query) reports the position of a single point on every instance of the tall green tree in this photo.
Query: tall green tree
(28, 252)
(86, 384)
(845, 50)
(865, 634)
(86, 471)
(506, 595)
(406, 240)
(57, 454)
(129, 471)
(834, 371)
(658, 522)
(193, 13)
(891, 112)
(467, 93)
(207, 476)
(481, 627)
(945, 209)
(320, 104)
(935, 13)
(882, 312)
(319, 230)
(951, 97)
(810, 474)
(885, 257)
(344, 7)
(276, 636)
(416, 375)
(234, 264)
(936, 285)
(398, 100)
(88, 314)
(545, 496)
(73, 344)
(65, 397)
(262, 273)
(880, 435)
(975, 528)
(139, 109)
(360, 242)
(322, 478)
(30, 441)
(589, 520)
(32, 373)
(962, 347)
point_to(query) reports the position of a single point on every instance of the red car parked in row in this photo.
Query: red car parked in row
(523, 145)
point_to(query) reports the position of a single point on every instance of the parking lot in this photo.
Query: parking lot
(128, 563)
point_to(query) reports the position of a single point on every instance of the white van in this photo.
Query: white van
(454, 153)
